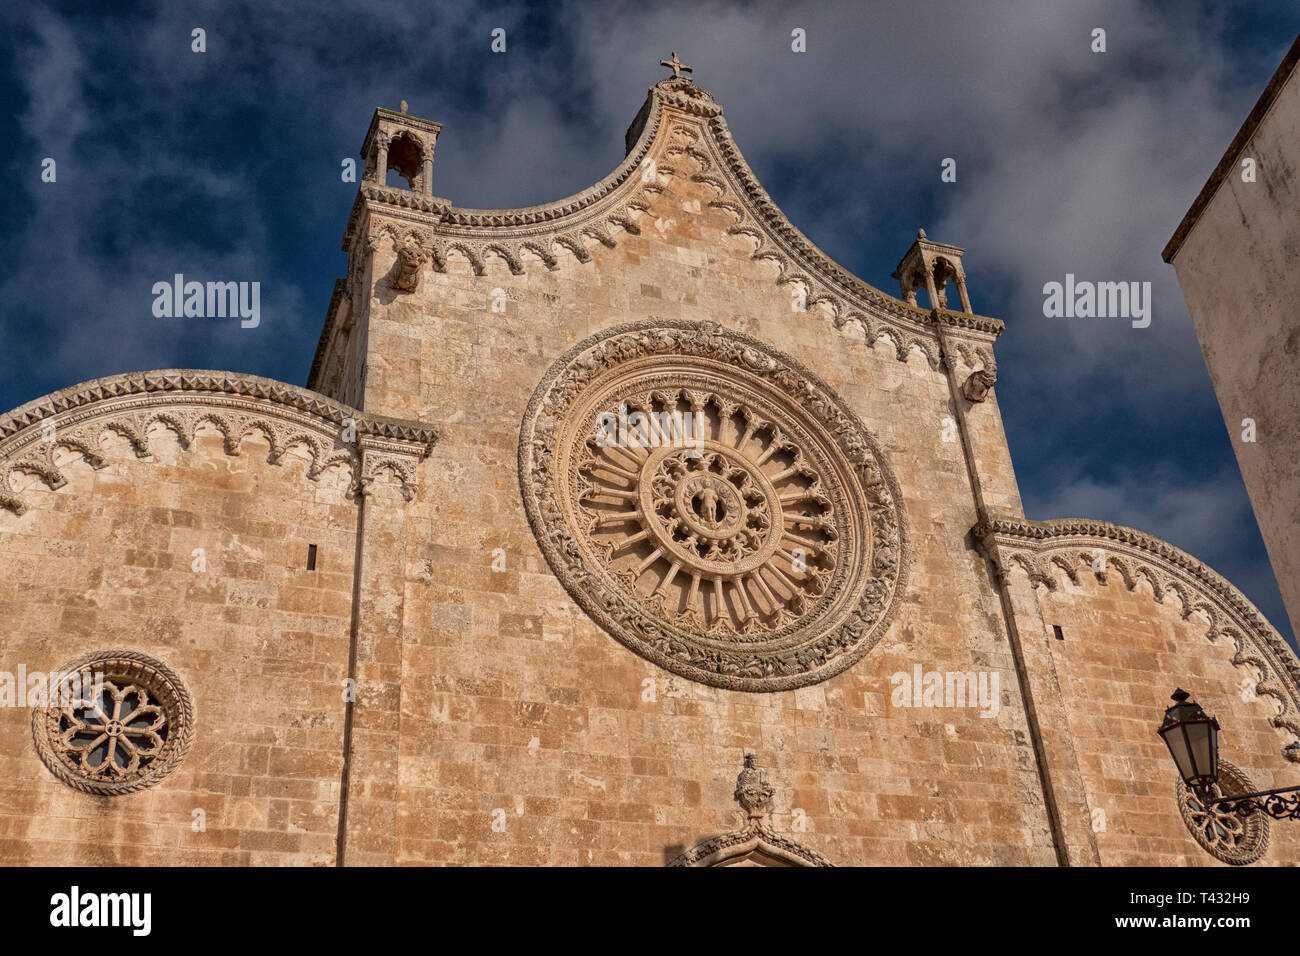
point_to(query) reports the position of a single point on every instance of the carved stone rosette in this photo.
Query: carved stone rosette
(128, 725)
(713, 505)
(1236, 836)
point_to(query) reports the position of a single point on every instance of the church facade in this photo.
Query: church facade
(587, 507)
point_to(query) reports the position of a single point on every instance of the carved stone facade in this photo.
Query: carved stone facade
(583, 503)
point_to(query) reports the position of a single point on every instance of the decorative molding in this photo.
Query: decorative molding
(743, 614)
(185, 399)
(67, 738)
(975, 355)
(752, 840)
(849, 298)
(1039, 548)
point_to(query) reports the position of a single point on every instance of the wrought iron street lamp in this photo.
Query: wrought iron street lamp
(1192, 737)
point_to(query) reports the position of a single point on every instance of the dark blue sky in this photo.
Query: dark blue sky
(225, 165)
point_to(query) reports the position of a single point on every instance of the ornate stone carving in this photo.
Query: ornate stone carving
(1236, 836)
(1065, 544)
(753, 792)
(755, 843)
(119, 734)
(235, 405)
(760, 546)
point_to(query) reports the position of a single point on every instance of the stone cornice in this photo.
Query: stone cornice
(849, 298)
(974, 323)
(1043, 549)
(326, 332)
(184, 399)
(405, 203)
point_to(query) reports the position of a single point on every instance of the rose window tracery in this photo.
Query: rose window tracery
(117, 721)
(733, 527)
(1238, 836)
(713, 505)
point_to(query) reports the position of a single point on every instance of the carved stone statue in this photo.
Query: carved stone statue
(753, 792)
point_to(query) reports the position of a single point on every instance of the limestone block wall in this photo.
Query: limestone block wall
(107, 561)
(1123, 654)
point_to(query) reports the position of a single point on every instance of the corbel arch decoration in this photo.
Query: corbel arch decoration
(679, 133)
(1051, 551)
(185, 400)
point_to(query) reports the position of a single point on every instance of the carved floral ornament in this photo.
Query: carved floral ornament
(121, 722)
(713, 505)
(183, 401)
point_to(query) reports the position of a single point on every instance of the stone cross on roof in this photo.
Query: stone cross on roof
(676, 66)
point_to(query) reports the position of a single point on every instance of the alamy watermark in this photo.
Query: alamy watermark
(55, 689)
(947, 689)
(213, 300)
(1098, 300)
(130, 910)
(626, 429)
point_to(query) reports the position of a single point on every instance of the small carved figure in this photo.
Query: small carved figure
(709, 506)
(409, 259)
(753, 792)
(976, 387)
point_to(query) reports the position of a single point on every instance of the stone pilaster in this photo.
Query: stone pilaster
(1063, 786)
(368, 815)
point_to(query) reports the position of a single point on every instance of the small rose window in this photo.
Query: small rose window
(1237, 836)
(117, 721)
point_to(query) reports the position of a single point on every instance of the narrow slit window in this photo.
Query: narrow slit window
(1056, 630)
(311, 561)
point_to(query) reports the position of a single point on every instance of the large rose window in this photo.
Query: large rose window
(713, 505)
